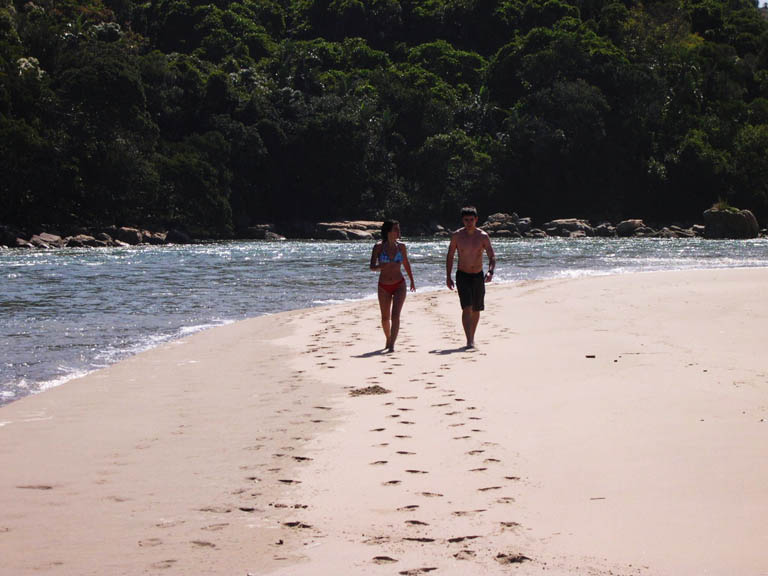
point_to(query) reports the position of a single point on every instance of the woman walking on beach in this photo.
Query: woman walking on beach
(387, 257)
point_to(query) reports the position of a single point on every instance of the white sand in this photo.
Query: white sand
(240, 449)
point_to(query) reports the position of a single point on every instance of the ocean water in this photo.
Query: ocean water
(64, 313)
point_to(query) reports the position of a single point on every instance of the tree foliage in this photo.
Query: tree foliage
(215, 116)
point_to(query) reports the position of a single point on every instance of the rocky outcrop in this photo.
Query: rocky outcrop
(347, 230)
(568, 227)
(503, 225)
(730, 223)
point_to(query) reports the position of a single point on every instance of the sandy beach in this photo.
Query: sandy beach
(604, 425)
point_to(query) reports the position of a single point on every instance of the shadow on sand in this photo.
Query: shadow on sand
(452, 350)
(374, 353)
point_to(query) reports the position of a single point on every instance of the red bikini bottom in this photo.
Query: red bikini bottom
(392, 288)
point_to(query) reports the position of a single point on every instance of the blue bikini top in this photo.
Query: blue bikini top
(384, 257)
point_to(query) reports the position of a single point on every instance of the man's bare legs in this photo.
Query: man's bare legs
(469, 319)
(391, 305)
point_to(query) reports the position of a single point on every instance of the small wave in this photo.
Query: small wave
(70, 374)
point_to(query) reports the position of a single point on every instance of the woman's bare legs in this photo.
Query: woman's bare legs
(398, 300)
(385, 303)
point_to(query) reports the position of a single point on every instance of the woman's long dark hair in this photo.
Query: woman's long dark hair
(386, 227)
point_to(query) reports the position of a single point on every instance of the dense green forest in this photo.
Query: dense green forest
(213, 116)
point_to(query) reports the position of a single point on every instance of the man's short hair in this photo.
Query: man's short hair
(469, 211)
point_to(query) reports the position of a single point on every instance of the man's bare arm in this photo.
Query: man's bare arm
(491, 259)
(449, 262)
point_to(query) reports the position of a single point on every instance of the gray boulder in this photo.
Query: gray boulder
(535, 233)
(154, 238)
(605, 230)
(259, 231)
(335, 234)
(524, 225)
(82, 240)
(501, 224)
(178, 237)
(359, 234)
(38, 242)
(21, 243)
(730, 223)
(627, 228)
(130, 236)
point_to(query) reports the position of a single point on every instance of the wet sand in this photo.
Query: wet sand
(611, 425)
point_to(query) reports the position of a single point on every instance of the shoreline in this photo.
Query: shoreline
(184, 331)
(604, 422)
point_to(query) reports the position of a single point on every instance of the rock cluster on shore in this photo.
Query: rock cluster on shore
(719, 223)
(111, 236)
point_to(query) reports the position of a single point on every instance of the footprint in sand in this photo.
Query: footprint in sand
(478, 469)
(431, 494)
(408, 508)
(401, 436)
(417, 472)
(404, 453)
(164, 564)
(297, 525)
(216, 509)
(215, 527)
(203, 544)
(505, 500)
(170, 523)
(465, 555)
(461, 539)
(468, 512)
(150, 542)
(383, 560)
(509, 525)
(392, 483)
(378, 463)
(462, 437)
(418, 539)
(417, 571)
(511, 558)
(488, 488)
(416, 523)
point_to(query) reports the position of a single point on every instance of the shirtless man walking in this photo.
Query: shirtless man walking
(470, 241)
